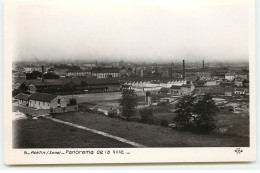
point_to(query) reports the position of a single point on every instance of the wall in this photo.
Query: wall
(22, 102)
(39, 104)
(113, 87)
(54, 102)
(65, 109)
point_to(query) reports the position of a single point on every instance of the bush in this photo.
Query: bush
(112, 113)
(162, 104)
(72, 101)
(146, 115)
(164, 123)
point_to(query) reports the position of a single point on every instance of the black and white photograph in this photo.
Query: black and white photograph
(119, 76)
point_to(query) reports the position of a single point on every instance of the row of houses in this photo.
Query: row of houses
(97, 72)
(69, 85)
(41, 101)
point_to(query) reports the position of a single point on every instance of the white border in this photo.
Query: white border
(138, 155)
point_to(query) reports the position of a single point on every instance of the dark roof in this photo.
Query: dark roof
(201, 81)
(71, 71)
(22, 96)
(105, 70)
(76, 81)
(42, 97)
(240, 89)
(175, 87)
(186, 85)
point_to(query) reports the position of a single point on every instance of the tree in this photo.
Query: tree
(23, 87)
(33, 75)
(146, 115)
(128, 103)
(205, 110)
(15, 92)
(51, 76)
(196, 113)
(184, 110)
(72, 101)
(245, 83)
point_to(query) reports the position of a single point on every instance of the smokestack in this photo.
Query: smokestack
(42, 73)
(183, 72)
(203, 65)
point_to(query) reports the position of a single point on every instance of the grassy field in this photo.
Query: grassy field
(44, 133)
(151, 135)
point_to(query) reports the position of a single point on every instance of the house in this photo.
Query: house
(187, 88)
(240, 91)
(207, 83)
(239, 82)
(228, 91)
(46, 101)
(22, 99)
(230, 76)
(241, 74)
(176, 90)
(105, 72)
(181, 90)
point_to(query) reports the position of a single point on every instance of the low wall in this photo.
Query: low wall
(33, 112)
(73, 108)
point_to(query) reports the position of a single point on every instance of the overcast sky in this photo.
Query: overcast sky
(137, 30)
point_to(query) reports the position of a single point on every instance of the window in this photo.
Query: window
(58, 101)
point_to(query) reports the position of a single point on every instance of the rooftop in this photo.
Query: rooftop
(22, 96)
(105, 70)
(42, 97)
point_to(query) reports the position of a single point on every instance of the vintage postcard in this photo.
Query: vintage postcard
(129, 81)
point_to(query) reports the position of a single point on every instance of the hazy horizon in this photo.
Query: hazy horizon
(129, 30)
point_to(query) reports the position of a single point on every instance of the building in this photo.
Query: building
(105, 72)
(187, 88)
(230, 76)
(182, 90)
(22, 99)
(239, 82)
(241, 74)
(30, 69)
(176, 90)
(78, 73)
(207, 83)
(46, 101)
(70, 85)
(240, 91)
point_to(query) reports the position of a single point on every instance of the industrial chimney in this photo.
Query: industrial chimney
(203, 65)
(183, 72)
(42, 73)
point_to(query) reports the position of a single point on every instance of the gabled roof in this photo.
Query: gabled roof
(186, 85)
(175, 87)
(239, 79)
(42, 97)
(229, 74)
(240, 89)
(201, 81)
(22, 96)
